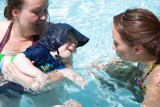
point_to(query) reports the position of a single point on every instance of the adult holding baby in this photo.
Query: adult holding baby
(25, 24)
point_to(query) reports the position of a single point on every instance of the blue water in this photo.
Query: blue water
(94, 19)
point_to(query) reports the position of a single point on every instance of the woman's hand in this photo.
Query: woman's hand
(54, 76)
(12, 74)
(99, 65)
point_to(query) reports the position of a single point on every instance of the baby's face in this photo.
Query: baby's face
(69, 46)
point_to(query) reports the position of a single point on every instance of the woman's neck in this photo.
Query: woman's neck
(18, 35)
(149, 61)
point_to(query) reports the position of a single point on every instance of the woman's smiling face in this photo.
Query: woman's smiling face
(33, 16)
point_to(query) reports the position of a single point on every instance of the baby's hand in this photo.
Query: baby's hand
(79, 80)
(73, 76)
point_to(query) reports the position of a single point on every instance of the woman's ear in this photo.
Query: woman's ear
(15, 13)
(138, 49)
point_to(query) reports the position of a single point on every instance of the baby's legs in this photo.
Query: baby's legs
(73, 76)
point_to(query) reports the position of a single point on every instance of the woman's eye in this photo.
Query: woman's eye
(36, 12)
(116, 44)
(46, 11)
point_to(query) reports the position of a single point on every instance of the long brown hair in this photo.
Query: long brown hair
(140, 27)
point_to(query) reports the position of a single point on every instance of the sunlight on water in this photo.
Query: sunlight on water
(93, 18)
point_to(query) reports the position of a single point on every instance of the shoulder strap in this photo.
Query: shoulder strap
(5, 37)
(151, 69)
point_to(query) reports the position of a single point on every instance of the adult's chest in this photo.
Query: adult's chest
(13, 48)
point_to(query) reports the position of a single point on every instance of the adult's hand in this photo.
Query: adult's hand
(11, 73)
(14, 75)
(54, 76)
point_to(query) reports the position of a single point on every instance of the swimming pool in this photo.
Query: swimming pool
(94, 19)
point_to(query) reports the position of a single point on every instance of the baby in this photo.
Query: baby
(56, 45)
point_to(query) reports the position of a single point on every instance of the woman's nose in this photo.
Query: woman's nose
(43, 16)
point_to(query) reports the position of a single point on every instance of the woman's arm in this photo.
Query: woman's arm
(14, 75)
(26, 68)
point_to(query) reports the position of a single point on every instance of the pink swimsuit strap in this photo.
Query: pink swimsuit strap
(35, 39)
(5, 37)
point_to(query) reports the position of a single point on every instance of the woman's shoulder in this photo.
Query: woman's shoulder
(3, 28)
(156, 76)
(4, 24)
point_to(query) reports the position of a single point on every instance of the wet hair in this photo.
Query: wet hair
(12, 4)
(139, 27)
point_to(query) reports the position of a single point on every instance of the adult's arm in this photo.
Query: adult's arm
(14, 75)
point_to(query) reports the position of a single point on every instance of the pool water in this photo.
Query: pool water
(93, 18)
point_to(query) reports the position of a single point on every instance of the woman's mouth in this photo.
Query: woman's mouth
(39, 25)
(70, 50)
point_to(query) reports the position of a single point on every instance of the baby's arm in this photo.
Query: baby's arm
(73, 76)
(17, 73)
(11, 73)
(25, 66)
